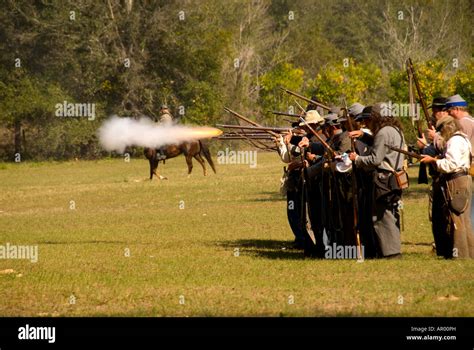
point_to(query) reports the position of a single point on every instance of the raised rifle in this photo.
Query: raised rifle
(324, 143)
(253, 142)
(420, 94)
(241, 117)
(316, 103)
(413, 78)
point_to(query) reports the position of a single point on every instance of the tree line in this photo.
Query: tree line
(128, 57)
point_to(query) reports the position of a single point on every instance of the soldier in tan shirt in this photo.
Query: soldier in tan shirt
(457, 108)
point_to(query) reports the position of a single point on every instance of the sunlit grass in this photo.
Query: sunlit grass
(225, 253)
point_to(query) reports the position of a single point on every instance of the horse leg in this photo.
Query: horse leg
(157, 173)
(161, 177)
(189, 161)
(152, 168)
(201, 161)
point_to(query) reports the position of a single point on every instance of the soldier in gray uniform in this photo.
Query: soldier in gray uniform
(165, 116)
(165, 119)
(385, 211)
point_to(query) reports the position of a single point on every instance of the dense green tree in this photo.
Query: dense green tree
(128, 57)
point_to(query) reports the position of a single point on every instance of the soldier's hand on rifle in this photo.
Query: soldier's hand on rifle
(297, 164)
(287, 138)
(356, 133)
(310, 156)
(303, 143)
(278, 139)
(427, 159)
(353, 156)
(421, 143)
(431, 133)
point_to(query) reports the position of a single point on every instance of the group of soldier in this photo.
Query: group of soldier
(345, 176)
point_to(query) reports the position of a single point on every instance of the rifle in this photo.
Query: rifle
(305, 218)
(418, 90)
(251, 122)
(412, 77)
(244, 137)
(256, 128)
(402, 151)
(354, 188)
(250, 133)
(319, 104)
(286, 114)
(324, 143)
(247, 120)
(411, 98)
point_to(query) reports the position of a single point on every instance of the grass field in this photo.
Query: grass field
(199, 246)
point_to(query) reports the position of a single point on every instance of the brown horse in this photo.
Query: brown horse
(195, 149)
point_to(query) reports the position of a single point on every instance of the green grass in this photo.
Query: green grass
(191, 252)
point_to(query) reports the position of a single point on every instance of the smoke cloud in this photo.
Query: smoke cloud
(118, 133)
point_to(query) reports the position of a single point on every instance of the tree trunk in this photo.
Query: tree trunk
(17, 136)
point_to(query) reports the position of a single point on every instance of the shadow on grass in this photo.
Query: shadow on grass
(273, 196)
(82, 242)
(418, 243)
(264, 248)
(278, 249)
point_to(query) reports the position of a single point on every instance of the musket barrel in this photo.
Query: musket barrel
(264, 128)
(304, 98)
(244, 137)
(286, 114)
(408, 153)
(248, 120)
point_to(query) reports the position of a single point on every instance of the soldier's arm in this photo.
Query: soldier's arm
(317, 148)
(367, 138)
(377, 154)
(315, 169)
(346, 146)
(429, 150)
(457, 148)
(283, 150)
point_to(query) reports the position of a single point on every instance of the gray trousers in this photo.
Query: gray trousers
(386, 221)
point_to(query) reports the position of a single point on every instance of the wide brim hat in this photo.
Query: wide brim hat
(355, 109)
(438, 103)
(365, 114)
(312, 117)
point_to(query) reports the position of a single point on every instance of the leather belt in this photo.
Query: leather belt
(452, 176)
